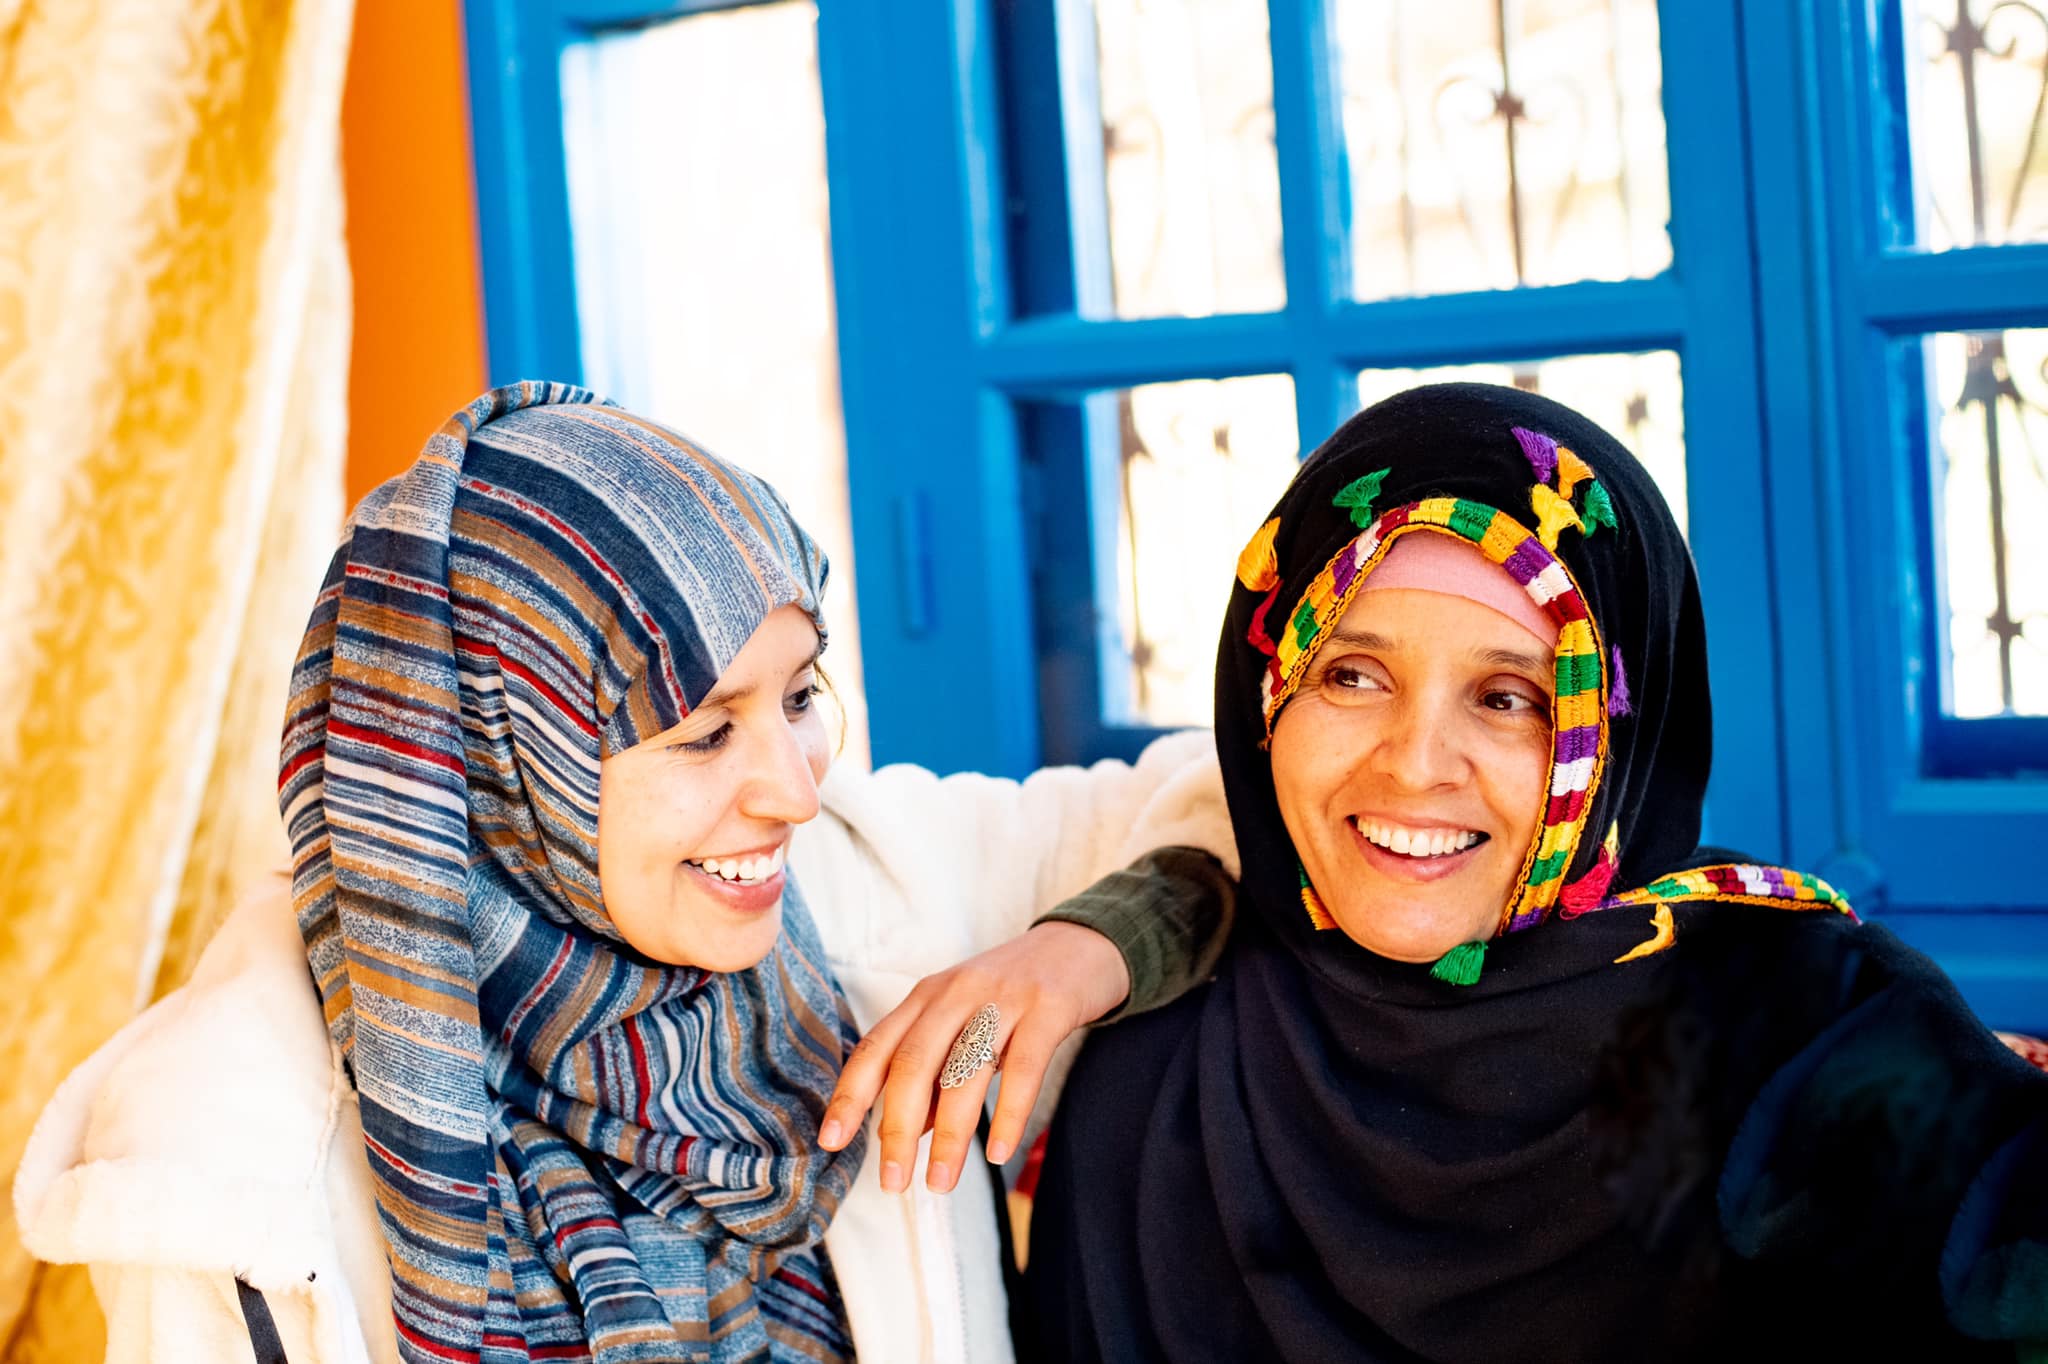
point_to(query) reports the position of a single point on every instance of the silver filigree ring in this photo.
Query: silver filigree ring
(974, 1048)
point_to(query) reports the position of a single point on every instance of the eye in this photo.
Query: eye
(800, 700)
(1512, 700)
(1350, 678)
(710, 743)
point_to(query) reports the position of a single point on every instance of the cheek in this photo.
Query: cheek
(647, 822)
(1314, 748)
(1517, 774)
(817, 748)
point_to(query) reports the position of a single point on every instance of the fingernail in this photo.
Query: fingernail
(940, 1177)
(892, 1177)
(998, 1151)
(829, 1134)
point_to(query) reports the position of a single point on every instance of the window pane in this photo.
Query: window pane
(1976, 74)
(1201, 461)
(696, 153)
(1497, 144)
(1637, 398)
(1991, 428)
(1191, 185)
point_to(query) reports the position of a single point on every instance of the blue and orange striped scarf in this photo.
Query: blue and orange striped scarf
(579, 1154)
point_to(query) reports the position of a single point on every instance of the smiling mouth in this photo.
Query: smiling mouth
(747, 869)
(1420, 844)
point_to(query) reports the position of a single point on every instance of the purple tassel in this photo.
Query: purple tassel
(1618, 702)
(1541, 451)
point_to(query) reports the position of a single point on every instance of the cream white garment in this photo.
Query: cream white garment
(906, 873)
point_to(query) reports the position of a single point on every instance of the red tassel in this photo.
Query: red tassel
(1260, 640)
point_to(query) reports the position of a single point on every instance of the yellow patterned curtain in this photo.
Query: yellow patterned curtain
(173, 381)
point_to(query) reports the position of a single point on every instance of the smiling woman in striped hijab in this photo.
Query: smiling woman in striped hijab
(524, 604)
(549, 748)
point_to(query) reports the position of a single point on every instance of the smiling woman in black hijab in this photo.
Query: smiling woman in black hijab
(1501, 1064)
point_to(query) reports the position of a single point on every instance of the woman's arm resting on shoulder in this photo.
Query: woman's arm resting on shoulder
(1137, 938)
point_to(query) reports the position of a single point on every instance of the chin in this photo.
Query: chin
(721, 947)
(1410, 933)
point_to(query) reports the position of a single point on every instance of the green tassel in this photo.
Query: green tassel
(1460, 965)
(1357, 497)
(1599, 509)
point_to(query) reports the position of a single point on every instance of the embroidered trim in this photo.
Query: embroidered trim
(1741, 883)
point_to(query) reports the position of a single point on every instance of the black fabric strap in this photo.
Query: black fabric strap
(269, 1346)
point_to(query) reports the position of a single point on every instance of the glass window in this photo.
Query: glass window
(1637, 398)
(1200, 461)
(1990, 426)
(1976, 78)
(718, 323)
(1493, 145)
(1185, 91)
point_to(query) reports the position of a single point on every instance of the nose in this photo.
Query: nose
(1418, 748)
(781, 785)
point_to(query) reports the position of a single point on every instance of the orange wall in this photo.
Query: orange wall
(418, 352)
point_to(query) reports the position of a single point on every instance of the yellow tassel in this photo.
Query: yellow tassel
(1553, 514)
(1666, 934)
(1571, 471)
(1258, 568)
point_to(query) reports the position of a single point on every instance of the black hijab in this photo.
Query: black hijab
(1327, 1155)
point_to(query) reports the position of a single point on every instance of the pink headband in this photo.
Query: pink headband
(1422, 561)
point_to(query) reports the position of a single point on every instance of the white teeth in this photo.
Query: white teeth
(750, 870)
(1418, 843)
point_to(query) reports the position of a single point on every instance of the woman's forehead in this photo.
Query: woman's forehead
(1420, 621)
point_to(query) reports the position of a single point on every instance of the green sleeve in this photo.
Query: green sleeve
(1169, 913)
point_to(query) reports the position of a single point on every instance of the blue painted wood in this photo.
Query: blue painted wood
(522, 190)
(1315, 252)
(1991, 287)
(1065, 353)
(1731, 528)
(914, 170)
(597, 15)
(1850, 470)
(1821, 759)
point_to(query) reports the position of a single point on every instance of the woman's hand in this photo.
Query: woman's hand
(1053, 979)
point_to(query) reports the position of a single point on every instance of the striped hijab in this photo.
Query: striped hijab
(578, 1153)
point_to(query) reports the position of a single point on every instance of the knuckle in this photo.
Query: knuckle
(911, 1055)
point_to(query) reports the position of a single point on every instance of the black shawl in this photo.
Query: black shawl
(1667, 1120)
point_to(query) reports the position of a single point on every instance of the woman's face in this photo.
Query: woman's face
(693, 824)
(1411, 765)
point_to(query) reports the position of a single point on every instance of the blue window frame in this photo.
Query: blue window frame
(971, 344)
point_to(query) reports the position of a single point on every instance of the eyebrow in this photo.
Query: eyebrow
(1504, 658)
(719, 696)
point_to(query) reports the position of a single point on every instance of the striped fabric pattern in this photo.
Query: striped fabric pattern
(1579, 712)
(1742, 882)
(579, 1154)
